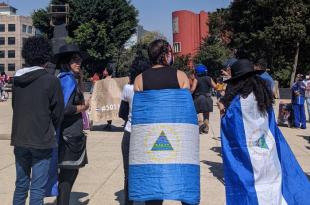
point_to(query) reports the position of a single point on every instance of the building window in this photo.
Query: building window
(11, 54)
(1, 67)
(29, 29)
(11, 27)
(2, 54)
(11, 40)
(2, 27)
(175, 25)
(2, 40)
(11, 67)
(24, 28)
(177, 47)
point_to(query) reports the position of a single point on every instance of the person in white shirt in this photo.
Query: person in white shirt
(139, 65)
(307, 93)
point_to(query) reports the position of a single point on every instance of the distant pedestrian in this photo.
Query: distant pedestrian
(307, 93)
(261, 64)
(298, 101)
(72, 140)
(107, 74)
(202, 97)
(37, 112)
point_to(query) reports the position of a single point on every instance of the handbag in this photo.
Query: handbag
(86, 122)
(123, 110)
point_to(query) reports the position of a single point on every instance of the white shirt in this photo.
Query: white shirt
(127, 96)
(307, 85)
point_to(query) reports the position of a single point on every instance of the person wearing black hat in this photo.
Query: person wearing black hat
(72, 139)
(243, 81)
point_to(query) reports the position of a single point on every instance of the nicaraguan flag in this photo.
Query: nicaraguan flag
(164, 147)
(68, 85)
(259, 166)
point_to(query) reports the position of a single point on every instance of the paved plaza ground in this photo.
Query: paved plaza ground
(101, 181)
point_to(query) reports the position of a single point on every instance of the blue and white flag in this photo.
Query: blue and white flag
(259, 166)
(164, 147)
(68, 85)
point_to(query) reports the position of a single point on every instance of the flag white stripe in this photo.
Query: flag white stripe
(263, 154)
(184, 140)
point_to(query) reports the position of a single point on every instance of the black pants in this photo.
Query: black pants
(125, 152)
(66, 179)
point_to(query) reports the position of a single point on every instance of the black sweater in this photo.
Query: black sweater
(37, 109)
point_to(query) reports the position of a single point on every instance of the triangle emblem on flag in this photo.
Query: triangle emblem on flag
(162, 143)
(261, 142)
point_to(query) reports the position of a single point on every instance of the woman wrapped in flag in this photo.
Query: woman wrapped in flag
(164, 141)
(72, 140)
(259, 166)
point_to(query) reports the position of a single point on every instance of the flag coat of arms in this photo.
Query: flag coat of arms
(259, 166)
(164, 147)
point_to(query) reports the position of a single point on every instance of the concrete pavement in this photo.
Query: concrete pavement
(101, 181)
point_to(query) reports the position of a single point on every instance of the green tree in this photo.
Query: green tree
(100, 27)
(182, 63)
(275, 30)
(214, 51)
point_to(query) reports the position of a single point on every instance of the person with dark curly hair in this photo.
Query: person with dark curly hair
(259, 166)
(37, 113)
(139, 65)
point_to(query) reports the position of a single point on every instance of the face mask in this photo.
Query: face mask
(170, 60)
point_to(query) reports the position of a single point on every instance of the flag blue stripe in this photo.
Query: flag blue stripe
(238, 170)
(179, 182)
(295, 185)
(163, 106)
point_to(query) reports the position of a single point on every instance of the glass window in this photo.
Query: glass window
(175, 25)
(1, 67)
(2, 27)
(24, 28)
(11, 40)
(11, 27)
(11, 67)
(2, 40)
(2, 54)
(11, 54)
(29, 29)
(177, 47)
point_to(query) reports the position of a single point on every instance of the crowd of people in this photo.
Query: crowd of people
(50, 145)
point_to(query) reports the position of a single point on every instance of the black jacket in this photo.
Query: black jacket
(38, 108)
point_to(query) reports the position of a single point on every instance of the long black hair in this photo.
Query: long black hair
(244, 87)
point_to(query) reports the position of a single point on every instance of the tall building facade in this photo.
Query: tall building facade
(189, 30)
(14, 29)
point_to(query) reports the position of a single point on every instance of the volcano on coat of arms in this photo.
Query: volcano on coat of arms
(162, 143)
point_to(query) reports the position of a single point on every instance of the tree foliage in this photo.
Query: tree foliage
(214, 51)
(273, 30)
(100, 27)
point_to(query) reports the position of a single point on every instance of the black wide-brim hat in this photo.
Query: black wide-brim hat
(242, 69)
(68, 50)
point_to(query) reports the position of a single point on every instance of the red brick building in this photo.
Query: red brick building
(189, 29)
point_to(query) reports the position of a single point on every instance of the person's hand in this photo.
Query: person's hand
(221, 108)
(225, 73)
(87, 103)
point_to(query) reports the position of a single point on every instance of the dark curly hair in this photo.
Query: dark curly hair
(138, 66)
(37, 51)
(244, 87)
(157, 51)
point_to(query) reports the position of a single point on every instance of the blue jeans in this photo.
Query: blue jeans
(35, 162)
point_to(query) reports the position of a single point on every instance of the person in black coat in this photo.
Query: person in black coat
(38, 106)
